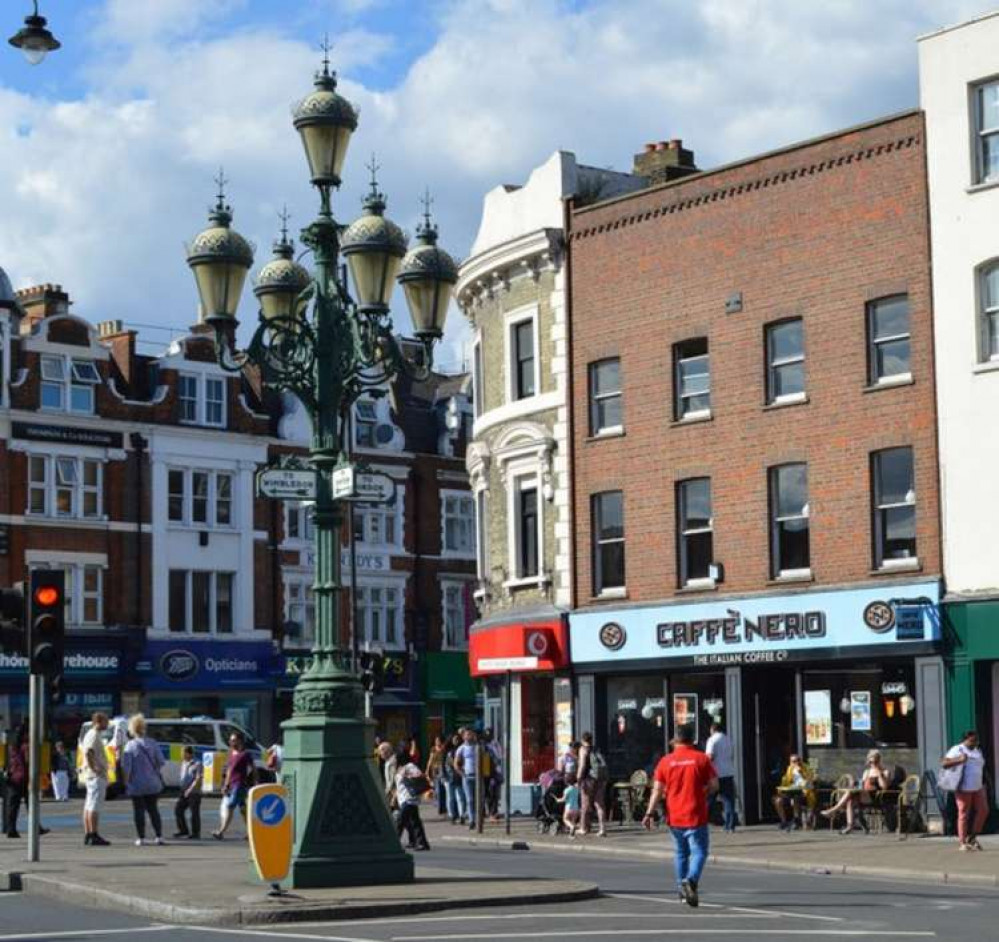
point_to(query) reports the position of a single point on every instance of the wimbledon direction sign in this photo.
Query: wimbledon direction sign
(286, 484)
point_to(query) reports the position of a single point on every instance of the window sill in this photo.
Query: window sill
(785, 403)
(610, 594)
(532, 582)
(980, 187)
(789, 578)
(695, 419)
(607, 433)
(903, 379)
(905, 565)
(698, 585)
(989, 366)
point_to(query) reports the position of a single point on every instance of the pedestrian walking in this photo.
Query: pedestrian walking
(568, 762)
(141, 765)
(571, 801)
(236, 783)
(95, 779)
(60, 772)
(456, 808)
(685, 778)
(969, 790)
(17, 780)
(273, 760)
(720, 751)
(410, 785)
(593, 778)
(465, 763)
(435, 774)
(492, 774)
(192, 776)
(388, 758)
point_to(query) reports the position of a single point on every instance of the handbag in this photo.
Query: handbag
(949, 779)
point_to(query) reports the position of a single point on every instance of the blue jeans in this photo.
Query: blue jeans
(468, 787)
(726, 793)
(456, 807)
(690, 848)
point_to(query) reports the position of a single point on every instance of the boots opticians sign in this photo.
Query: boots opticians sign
(762, 629)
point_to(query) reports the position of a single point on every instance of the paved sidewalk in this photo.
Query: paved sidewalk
(918, 858)
(212, 883)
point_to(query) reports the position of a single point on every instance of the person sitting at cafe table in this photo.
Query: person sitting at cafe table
(873, 779)
(797, 785)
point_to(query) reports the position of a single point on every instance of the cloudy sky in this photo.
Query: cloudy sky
(109, 147)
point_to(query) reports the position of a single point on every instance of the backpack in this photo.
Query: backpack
(598, 766)
(487, 762)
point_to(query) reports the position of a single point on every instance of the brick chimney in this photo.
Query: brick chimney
(122, 344)
(663, 161)
(41, 301)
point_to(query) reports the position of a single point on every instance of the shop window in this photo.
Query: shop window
(537, 726)
(695, 535)
(65, 486)
(888, 341)
(986, 123)
(636, 725)
(988, 292)
(605, 397)
(785, 346)
(789, 525)
(691, 379)
(894, 508)
(608, 541)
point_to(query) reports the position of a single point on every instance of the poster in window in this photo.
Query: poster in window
(685, 712)
(818, 718)
(860, 711)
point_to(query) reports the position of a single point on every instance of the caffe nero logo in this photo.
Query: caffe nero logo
(179, 665)
(613, 636)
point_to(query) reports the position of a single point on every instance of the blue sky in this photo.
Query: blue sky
(109, 147)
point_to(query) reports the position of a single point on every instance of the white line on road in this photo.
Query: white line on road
(81, 933)
(838, 933)
(387, 921)
(784, 914)
(273, 933)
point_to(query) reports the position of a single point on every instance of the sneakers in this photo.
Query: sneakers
(158, 842)
(13, 835)
(217, 835)
(688, 891)
(97, 841)
(139, 842)
(179, 835)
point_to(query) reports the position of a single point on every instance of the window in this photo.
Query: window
(202, 602)
(376, 525)
(696, 533)
(378, 611)
(989, 293)
(201, 399)
(692, 379)
(68, 384)
(888, 333)
(200, 498)
(785, 361)
(84, 592)
(527, 532)
(65, 486)
(300, 608)
(365, 422)
(477, 378)
(789, 520)
(523, 359)
(481, 546)
(894, 508)
(608, 541)
(298, 521)
(605, 397)
(987, 132)
(454, 615)
(458, 512)
(91, 595)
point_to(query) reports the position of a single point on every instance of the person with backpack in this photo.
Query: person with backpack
(964, 773)
(593, 776)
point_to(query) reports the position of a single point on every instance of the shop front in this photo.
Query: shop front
(449, 694)
(99, 675)
(830, 674)
(231, 680)
(527, 660)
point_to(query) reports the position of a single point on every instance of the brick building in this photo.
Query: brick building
(754, 470)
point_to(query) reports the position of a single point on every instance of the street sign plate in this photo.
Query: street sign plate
(287, 484)
(342, 482)
(374, 487)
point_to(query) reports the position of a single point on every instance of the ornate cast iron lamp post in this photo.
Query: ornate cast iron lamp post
(327, 357)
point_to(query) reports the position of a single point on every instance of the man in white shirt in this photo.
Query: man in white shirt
(722, 754)
(95, 778)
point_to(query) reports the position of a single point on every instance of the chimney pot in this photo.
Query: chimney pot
(649, 148)
(661, 145)
(675, 143)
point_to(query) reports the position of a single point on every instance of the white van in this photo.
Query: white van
(208, 736)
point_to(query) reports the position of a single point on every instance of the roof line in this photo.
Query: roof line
(957, 26)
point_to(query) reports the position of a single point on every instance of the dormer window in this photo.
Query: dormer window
(68, 384)
(201, 399)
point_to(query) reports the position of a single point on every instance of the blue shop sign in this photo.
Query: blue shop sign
(80, 663)
(185, 664)
(764, 629)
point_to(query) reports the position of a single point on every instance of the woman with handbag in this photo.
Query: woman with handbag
(410, 785)
(963, 772)
(141, 765)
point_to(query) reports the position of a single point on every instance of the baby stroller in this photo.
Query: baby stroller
(549, 813)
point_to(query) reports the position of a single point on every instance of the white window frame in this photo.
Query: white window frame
(212, 506)
(874, 342)
(519, 482)
(301, 513)
(680, 412)
(383, 512)
(773, 364)
(981, 133)
(76, 594)
(454, 637)
(513, 320)
(878, 505)
(75, 374)
(213, 576)
(365, 417)
(478, 377)
(449, 497)
(776, 519)
(597, 543)
(684, 531)
(482, 534)
(299, 599)
(186, 401)
(51, 487)
(201, 403)
(988, 313)
(596, 398)
(364, 588)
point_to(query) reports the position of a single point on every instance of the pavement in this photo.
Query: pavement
(917, 858)
(212, 883)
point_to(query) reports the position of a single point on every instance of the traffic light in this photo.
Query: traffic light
(373, 671)
(12, 620)
(47, 622)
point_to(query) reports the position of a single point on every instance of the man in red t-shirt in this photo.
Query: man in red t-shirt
(685, 778)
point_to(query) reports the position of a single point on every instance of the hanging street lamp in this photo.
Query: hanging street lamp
(314, 340)
(33, 39)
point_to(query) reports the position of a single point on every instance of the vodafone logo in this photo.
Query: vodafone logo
(537, 644)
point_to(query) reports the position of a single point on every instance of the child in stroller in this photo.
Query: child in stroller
(549, 813)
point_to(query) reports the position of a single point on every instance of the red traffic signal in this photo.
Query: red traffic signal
(47, 596)
(46, 622)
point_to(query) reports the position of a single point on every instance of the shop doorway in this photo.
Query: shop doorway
(769, 737)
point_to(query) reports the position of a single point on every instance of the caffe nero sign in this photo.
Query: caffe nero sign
(209, 665)
(762, 629)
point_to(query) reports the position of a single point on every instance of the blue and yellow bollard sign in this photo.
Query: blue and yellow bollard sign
(270, 829)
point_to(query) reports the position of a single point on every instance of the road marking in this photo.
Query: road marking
(838, 933)
(274, 933)
(500, 916)
(81, 933)
(776, 913)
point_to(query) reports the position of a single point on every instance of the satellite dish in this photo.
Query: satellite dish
(384, 433)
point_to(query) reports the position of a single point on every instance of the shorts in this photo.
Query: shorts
(236, 798)
(97, 789)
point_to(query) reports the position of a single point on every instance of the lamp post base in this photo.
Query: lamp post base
(344, 835)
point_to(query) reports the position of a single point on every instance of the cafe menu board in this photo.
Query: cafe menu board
(685, 712)
(818, 718)
(860, 711)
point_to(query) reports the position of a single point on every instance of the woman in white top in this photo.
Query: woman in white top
(972, 806)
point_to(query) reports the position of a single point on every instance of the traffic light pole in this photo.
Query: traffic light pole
(36, 694)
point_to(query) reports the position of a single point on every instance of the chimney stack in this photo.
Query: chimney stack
(662, 161)
(41, 301)
(122, 344)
